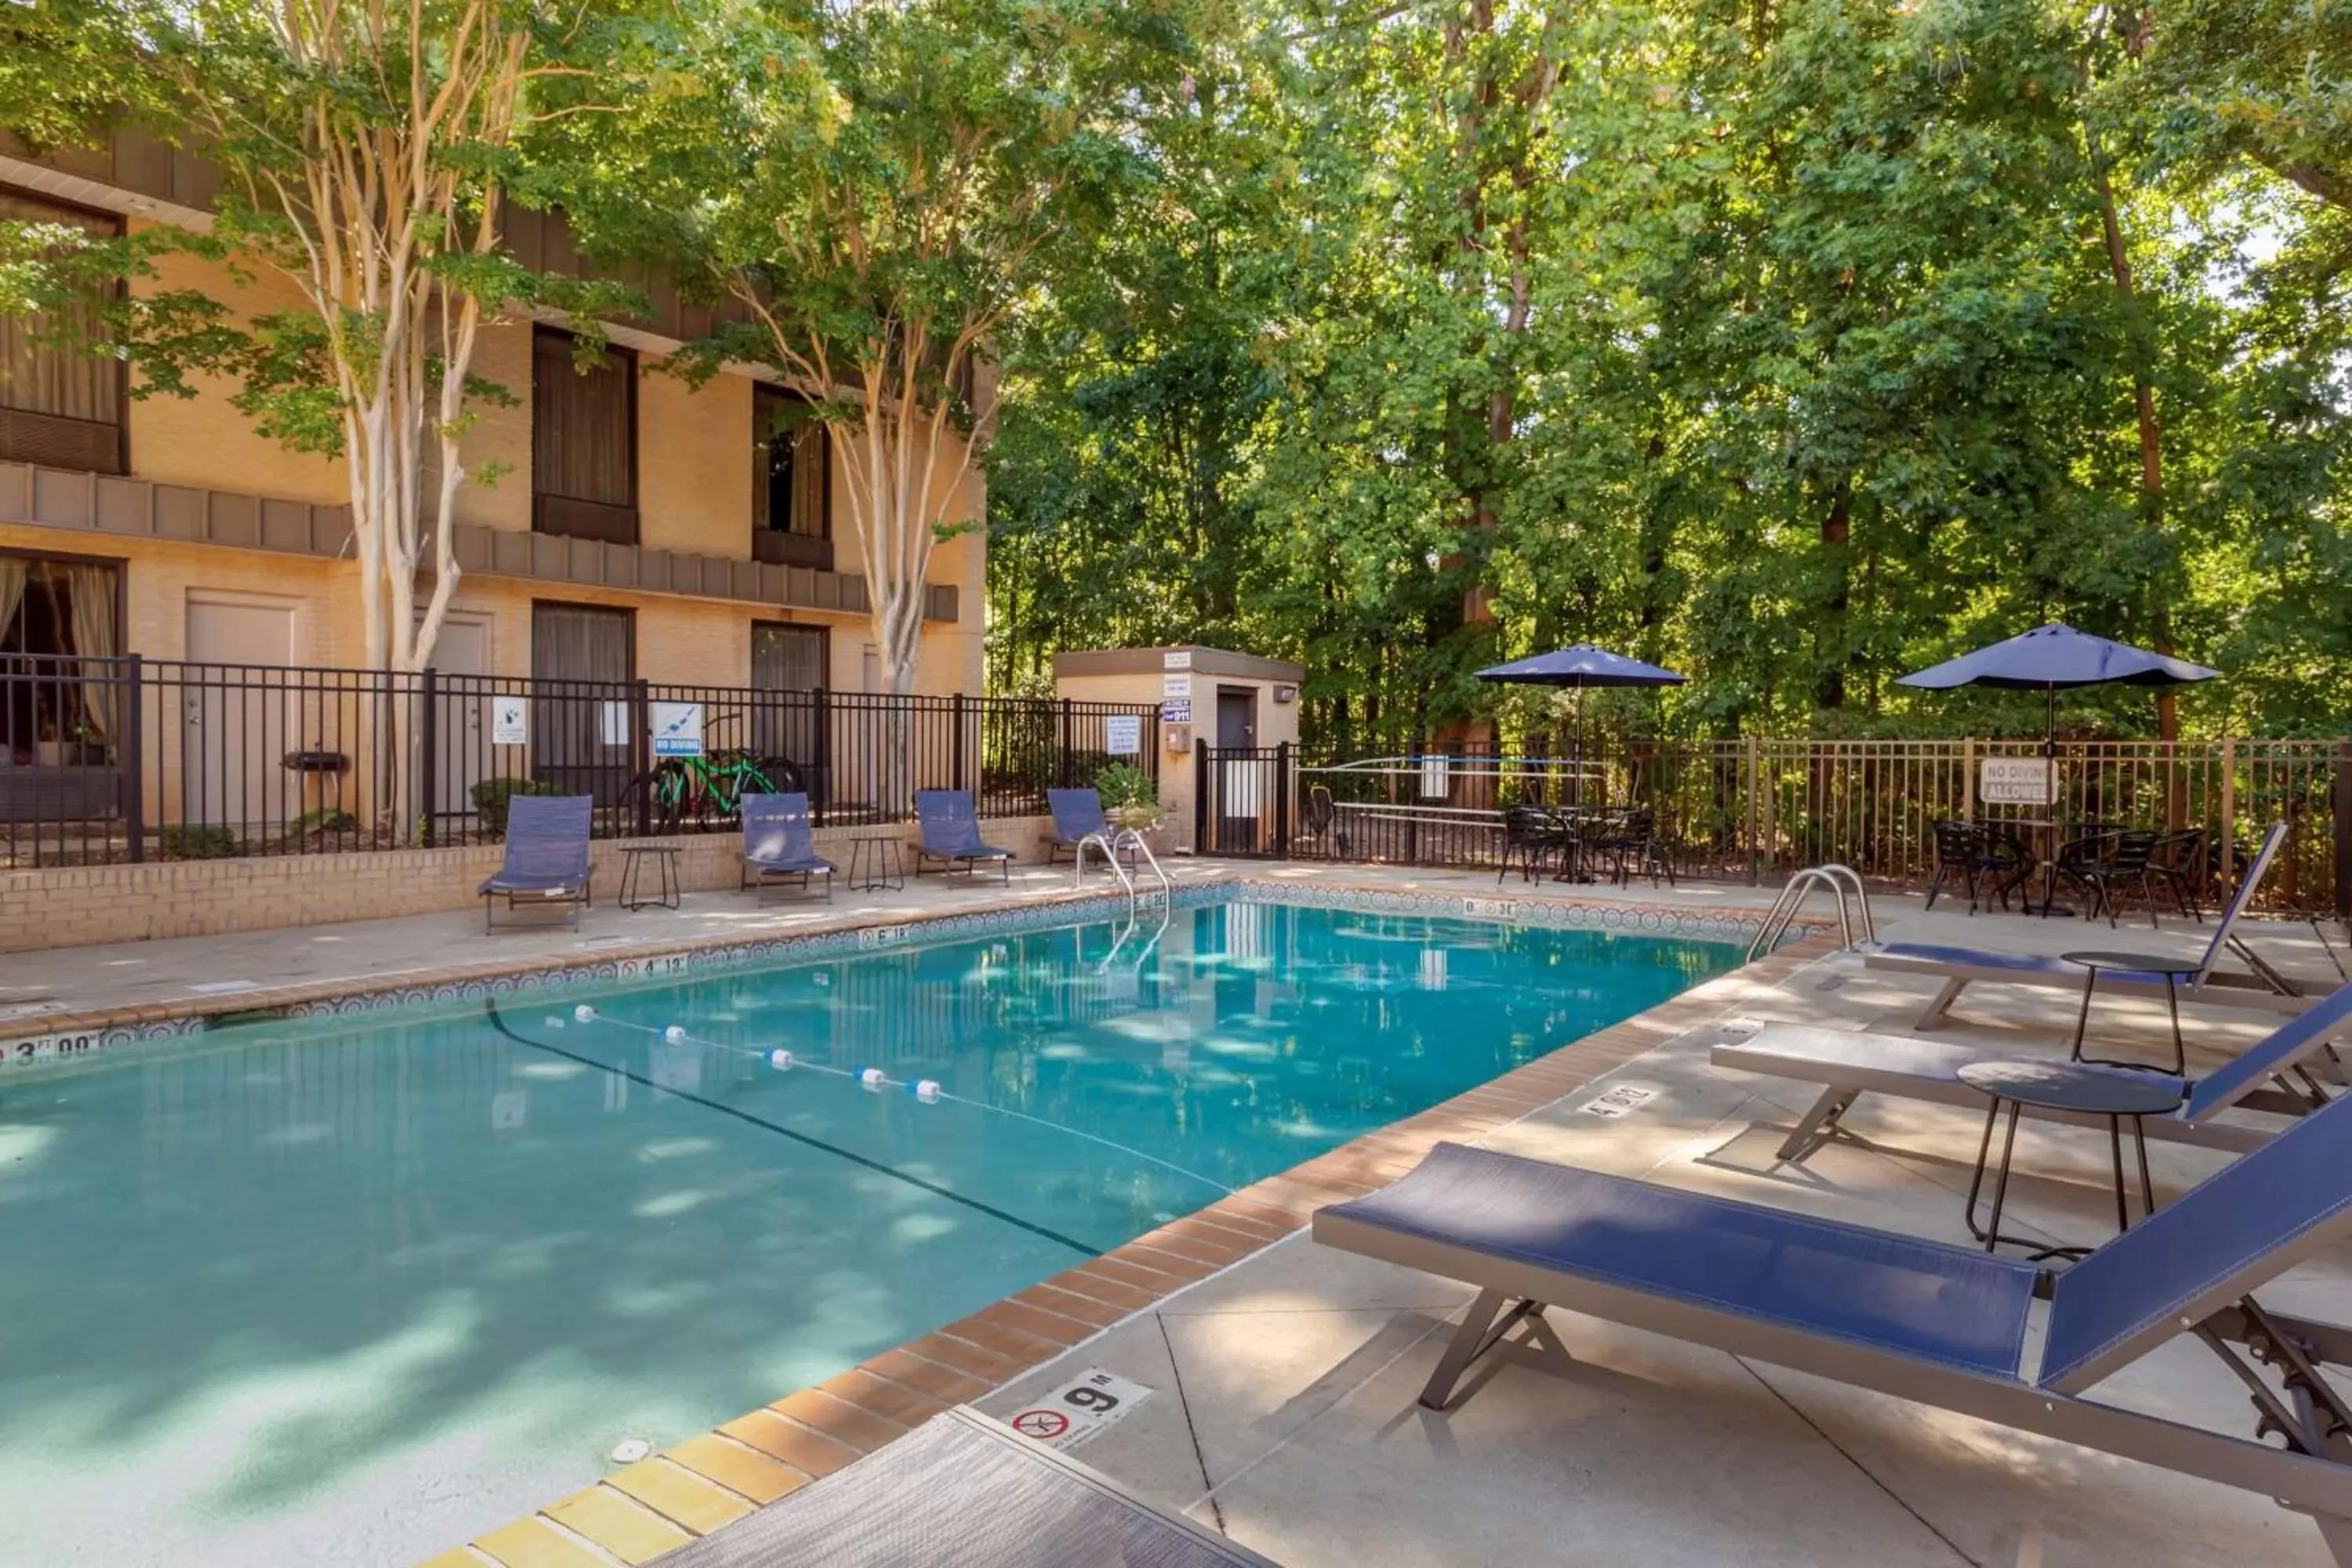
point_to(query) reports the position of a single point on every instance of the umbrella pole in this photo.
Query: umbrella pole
(1579, 773)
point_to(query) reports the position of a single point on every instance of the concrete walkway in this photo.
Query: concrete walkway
(1283, 1410)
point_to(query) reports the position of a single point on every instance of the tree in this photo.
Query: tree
(366, 153)
(875, 189)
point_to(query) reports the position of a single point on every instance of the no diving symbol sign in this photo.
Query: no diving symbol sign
(1043, 1425)
(1079, 1408)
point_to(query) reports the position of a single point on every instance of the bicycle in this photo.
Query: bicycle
(708, 791)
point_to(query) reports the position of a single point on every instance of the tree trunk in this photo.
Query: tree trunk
(2151, 449)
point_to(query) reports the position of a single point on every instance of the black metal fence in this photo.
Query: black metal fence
(132, 759)
(1753, 809)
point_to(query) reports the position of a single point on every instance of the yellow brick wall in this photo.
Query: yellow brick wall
(694, 464)
(695, 496)
(80, 906)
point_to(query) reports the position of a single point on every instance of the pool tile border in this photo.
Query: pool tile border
(768, 1453)
(69, 1036)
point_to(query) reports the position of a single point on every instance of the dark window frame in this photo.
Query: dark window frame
(823, 636)
(121, 226)
(121, 564)
(625, 360)
(627, 612)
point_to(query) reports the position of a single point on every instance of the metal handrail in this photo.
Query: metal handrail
(1110, 843)
(1832, 875)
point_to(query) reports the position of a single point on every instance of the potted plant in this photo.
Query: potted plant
(1130, 798)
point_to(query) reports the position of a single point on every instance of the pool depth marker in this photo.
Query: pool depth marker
(498, 1022)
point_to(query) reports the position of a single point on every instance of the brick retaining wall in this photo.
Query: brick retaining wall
(75, 906)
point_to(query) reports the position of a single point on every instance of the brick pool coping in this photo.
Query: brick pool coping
(710, 1481)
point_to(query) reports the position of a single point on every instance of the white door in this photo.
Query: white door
(234, 734)
(461, 726)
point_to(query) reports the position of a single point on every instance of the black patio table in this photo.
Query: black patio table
(2173, 969)
(2063, 1086)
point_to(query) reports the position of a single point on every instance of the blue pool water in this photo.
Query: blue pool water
(352, 1290)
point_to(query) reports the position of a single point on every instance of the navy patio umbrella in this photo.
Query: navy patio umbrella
(1579, 667)
(2055, 655)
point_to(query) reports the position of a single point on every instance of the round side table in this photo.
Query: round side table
(2173, 970)
(2077, 1086)
(633, 890)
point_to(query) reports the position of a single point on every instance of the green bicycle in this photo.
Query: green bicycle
(707, 792)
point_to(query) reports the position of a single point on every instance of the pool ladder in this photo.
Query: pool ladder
(1835, 878)
(1110, 843)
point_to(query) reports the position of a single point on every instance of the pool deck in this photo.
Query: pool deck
(1285, 1374)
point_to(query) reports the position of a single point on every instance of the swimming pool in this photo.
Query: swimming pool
(355, 1289)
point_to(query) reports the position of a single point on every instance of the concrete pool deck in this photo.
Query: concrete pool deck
(1284, 1374)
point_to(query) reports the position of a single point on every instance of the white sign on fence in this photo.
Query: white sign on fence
(1436, 777)
(613, 723)
(510, 720)
(1172, 686)
(2017, 781)
(677, 729)
(1176, 658)
(1123, 734)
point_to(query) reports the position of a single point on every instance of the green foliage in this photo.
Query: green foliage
(1779, 345)
(1128, 793)
(198, 841)
(490, 797)
(326, 821)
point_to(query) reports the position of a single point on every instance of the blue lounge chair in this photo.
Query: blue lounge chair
(1076, 814)
(1944, 1326)
(2293, 1072)
(1960, 968)
(950, 833)
(776, 844)
(546, 857)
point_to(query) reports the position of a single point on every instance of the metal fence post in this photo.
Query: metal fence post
(959, 740)
(134, 761)
(1204, 774)
(428, 753)
(1282, 797)
(1062, 764)
(2343, 867)
(1755, 782)
(822, 790)
(640, 751)
(2229, 808)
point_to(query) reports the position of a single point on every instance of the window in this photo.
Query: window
(58, 406)
(790, 729)
(54, 709)
(791, 482)
(583, 444)
(580, 733)
(787, 657)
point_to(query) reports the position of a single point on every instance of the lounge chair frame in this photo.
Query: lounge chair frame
(951, 811)
(2313, 1474)
(787, 815)
(2296, 1071)
(2264, 989)
(533, 821)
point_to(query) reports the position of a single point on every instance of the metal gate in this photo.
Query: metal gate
(1244, 803)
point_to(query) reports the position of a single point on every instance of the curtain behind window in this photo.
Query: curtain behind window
(89, 601)
(580, 436)
(35, 379)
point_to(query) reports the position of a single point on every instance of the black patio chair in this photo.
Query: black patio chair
(1979, 854)
(2003, 861)
(1630, 839)
(2114, 862)
(1319, 824)
(1531, 836)
(2178, 863)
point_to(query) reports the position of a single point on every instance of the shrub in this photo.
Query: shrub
(490, 797)
(1129, 794)
(327, 819)
(198, 841)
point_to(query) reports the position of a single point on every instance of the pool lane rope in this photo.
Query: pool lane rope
(498, 1022)
(924, 1090)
